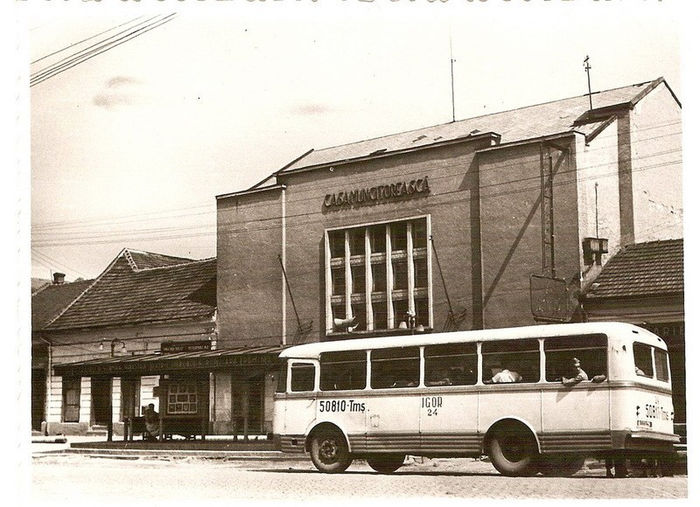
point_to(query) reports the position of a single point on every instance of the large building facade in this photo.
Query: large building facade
(493, 221)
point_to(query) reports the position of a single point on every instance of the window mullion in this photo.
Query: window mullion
(389, 280)
(368, 282)
(409, 268)
(348, 277)
(329, 287)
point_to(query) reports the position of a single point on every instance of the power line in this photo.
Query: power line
(245, 228)
(42, 76)
(113, 221)
(84, 40)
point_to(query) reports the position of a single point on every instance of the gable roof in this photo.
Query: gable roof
(531, 122)
(142, 287)
(48, 302)
(641, 269)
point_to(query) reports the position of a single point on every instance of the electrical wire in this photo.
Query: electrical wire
(45, 74)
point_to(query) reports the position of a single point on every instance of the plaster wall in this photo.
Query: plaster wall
(597, 165)
(656, 135)
(512, 225)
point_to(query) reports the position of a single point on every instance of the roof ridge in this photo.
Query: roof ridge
(94, 281)
(189, 263)
(484, 115)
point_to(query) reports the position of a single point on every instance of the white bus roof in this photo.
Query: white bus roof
(312, 350)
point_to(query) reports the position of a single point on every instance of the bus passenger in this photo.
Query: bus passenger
(578, 373)
(501, 375)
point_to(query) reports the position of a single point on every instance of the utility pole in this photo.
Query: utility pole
(452, 79)
(587, 68)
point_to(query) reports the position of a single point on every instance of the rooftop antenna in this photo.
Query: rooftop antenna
(587, 68)
(452, 78)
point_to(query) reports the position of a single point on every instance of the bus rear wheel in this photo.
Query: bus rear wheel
(512, 451)
(560, 465)
(329, 451)
(386, 463)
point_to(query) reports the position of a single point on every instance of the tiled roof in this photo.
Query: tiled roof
(48, 302)
(642, 269)
(530, 122)
(140, 287)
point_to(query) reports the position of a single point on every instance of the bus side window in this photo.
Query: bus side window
(395, 367)
(303, 377)
(590, 350)
(450, 364)
(346, 370)
(511, 361)
(642, 360)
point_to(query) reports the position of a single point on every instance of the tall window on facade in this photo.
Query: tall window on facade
(71, 399)
(378, 276)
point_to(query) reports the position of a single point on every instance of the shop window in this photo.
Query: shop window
(71, 399)
(395, 367)
(450, 364)
(590, 350)
(343, 370)
(643, 360)
(182, 398)
(661, 364)
(511, 361)
(371, 296)
(303, 377)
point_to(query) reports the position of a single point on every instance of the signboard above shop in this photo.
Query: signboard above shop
(189, 346)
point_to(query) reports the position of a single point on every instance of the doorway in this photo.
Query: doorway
(248, 405)
(101, 389)
(38, 398)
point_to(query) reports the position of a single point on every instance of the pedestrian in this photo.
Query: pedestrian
(152, 421)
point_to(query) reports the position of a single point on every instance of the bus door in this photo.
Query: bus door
(448, 405)
(392, 409)
(342, 399)
(300, 406)
(575, 412)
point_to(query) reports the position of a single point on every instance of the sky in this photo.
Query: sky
(130, 148)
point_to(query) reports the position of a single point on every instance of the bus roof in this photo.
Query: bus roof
(312, 350)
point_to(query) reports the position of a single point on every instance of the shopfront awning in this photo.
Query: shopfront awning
(163, 363)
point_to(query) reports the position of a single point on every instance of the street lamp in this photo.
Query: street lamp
(112, 345)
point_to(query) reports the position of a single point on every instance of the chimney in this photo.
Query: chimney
(59, 278)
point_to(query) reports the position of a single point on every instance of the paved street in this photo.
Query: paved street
(65, 479)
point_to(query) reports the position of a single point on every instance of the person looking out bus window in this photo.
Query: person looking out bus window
(578, 375)
(503, 375)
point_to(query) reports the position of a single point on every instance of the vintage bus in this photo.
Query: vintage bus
(537, 398)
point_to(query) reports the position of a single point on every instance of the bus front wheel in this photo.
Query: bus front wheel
(386, 463)
(512, 451)
(329, 451)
